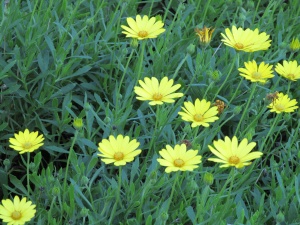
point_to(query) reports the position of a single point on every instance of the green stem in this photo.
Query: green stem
(278, 116)
(227, 77)
(179, 66)
(172, 191)
(67, 166)
(27, 171)
(246, 108)
(117, 197)
(155, 132)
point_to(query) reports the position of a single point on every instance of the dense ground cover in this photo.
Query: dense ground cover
(63, 60)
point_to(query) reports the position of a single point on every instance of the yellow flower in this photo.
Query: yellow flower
(295, 44)
(204, 34)
(289, 70)
(157, 93)
(256, 73)
(246, 40)
(26, 142)
(282, 103)
(231, 153)
(179, 158)
(118, 150)
(200, 114)
(143, 28)
(16, 212)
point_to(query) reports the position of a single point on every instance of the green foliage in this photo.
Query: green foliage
(63, 60)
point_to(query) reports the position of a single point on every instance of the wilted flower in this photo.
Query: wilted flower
(221, 105)
(205, 35)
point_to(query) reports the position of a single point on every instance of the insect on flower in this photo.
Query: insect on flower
(272, 96)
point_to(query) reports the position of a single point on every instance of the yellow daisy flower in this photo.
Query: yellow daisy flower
(16, 212)
(282, 103)
(231, 153)
(118, 150)
(200, 113)
(26, 142)
(256, 73)
(204, 34)
(143, 28)
(289, 70)
(295, 44)
(246, 40)
(179, 158)
(157, 93)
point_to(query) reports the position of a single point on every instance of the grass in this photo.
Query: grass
(66, 59)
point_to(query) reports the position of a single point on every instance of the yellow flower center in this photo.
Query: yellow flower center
(239, 45)
(118, 156)
(291, 76)
(157, 96)
(279, 107)
(27, 145)
(256, 75)
(143, 34)
(198, 117)
(178, 162)
(16, 215)
(234, 160)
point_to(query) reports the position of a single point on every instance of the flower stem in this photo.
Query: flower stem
(117, 197)
(172, 191)
(246, 108)
(278, 116)
(67, 166)
(27, 173)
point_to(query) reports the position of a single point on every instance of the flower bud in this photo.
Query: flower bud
(84, 212)
(78, 123)
(208, 178)
(191, 49)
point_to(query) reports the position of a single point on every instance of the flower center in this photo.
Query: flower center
(157, 96)
(234, 160)
(143, 33)
(279, 107)
(118, 156)
(27, 145)
(239, 45)
(178, 162)
(291, 76)
(198, 117)
(16, 215)
(256, 75)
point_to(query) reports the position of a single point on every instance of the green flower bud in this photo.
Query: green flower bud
(280, 217)
(164, 216)
(84, 180)
(55, 191)
(208, 178)
(78, 123)
(134, 43)
(6, 164)
(84, 212)
(191, 49)
(107, 120)
(237, 110)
